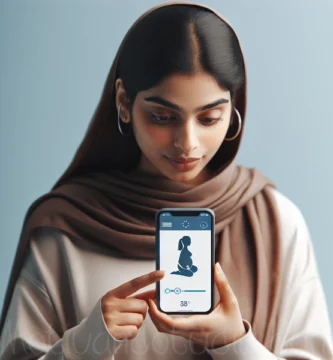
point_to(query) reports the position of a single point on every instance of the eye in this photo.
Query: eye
(211, 117)
(166, 119)
(210, 121)
(162, 119)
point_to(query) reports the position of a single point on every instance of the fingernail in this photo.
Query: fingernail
(218, 268)
(159, 273)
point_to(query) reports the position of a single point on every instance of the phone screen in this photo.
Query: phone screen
(185, 251)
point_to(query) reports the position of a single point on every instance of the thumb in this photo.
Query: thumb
(227, 296)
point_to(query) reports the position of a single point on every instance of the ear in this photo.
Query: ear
(122, 99)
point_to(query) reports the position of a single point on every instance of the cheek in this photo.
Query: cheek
(215, 138)
(156, 135)
(151, 134)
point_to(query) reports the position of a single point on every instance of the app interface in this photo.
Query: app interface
(185, 251)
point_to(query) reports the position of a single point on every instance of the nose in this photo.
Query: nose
(186, 138)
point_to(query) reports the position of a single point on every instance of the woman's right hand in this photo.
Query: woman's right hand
(124, 315)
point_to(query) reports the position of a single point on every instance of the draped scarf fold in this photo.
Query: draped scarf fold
(117, 210)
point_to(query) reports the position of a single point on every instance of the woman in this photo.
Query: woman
(176, 90)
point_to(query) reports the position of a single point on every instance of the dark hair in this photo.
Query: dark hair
(171, 39)
(180, 39)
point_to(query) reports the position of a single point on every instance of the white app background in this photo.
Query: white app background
(189, 299)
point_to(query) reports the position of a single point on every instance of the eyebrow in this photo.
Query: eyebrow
(159, 100)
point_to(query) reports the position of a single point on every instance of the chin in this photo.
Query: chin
(165, 169)
(187, 176)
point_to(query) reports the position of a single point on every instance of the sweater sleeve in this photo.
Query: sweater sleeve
(308, 336)
(304, 331)
(30, 331)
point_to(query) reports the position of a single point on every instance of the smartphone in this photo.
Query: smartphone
(185, 250)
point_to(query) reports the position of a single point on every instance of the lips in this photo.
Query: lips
(183, 160)
(183, 164)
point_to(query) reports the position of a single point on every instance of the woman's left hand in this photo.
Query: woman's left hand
(222, 326)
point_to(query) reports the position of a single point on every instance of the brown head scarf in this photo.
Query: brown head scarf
(97, 202)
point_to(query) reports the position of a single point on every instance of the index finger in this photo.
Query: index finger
(137, 283)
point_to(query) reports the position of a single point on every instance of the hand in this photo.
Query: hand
(124, 315)
(222, 326)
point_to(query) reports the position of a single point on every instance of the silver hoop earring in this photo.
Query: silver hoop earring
(239, 127)
(119, 126)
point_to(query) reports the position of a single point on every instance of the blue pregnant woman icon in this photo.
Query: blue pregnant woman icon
(185, 263)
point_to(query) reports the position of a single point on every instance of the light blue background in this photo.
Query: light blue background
(55, 56)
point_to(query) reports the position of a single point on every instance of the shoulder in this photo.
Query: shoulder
(48, 240)
(291, 218)
(297, 248)
(52, 248)
(48, 249)
(44, 247)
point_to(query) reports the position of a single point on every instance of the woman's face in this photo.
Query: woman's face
(184, 116)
